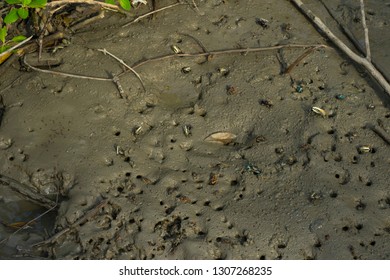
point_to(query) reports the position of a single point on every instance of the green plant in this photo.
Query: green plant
(19, 10)
(124, 4)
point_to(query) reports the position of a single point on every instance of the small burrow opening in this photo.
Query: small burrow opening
(359, 226)
(360, 206)
(333, 194)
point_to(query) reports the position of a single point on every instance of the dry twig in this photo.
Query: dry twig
(299, 59)
(124, 64)
(358, 59)
(220, 52)
(366, 39)
(380, 132)
(66, 74)
(55, 4)
(151, 13)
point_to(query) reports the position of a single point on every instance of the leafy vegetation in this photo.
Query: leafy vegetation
(21, 10)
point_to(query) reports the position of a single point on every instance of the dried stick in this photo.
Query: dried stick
(382, 134)
(358, 59)
(116, 81)
(14, 47)
(196, 8)
(124, 64)
(151, 13)
(221, 52)
(54, 4)
(48, 40)
(66, 74)
(299, 59)
(366, 39)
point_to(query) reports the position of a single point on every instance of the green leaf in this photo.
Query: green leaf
(38, 3)
(3, 34)
(26, 2)
(12, 16)
(4, 48)
(19, 38)
(125, 4)
(112, 2)
(13, 1)
(23, 13)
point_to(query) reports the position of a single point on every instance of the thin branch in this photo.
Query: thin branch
(54, 4)
(299, 59)
(151, 13)
(358, 59)
(366, 39)
(15, 47)
(221, 52)
(66, 74)
(380, 132)
(124, 64)
(196, 8)
(116, 81)
(196, 40)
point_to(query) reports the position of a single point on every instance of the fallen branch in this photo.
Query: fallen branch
(220, 52)
(366, 39)
(358, 59)
(380, 132)
(66, 74)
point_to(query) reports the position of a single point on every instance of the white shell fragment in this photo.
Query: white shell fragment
(221, 137)
(176, 49)
(364, 149)
(5, 143)
(135, 2)
(319, 111)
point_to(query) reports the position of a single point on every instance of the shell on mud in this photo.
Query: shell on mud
(319, 111)
(5, 143)
(221, 137)
(176, 49)
(364, 149)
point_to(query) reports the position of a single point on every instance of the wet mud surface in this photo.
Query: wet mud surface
(137, 176)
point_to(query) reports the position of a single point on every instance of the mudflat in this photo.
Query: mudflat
(221, 156)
